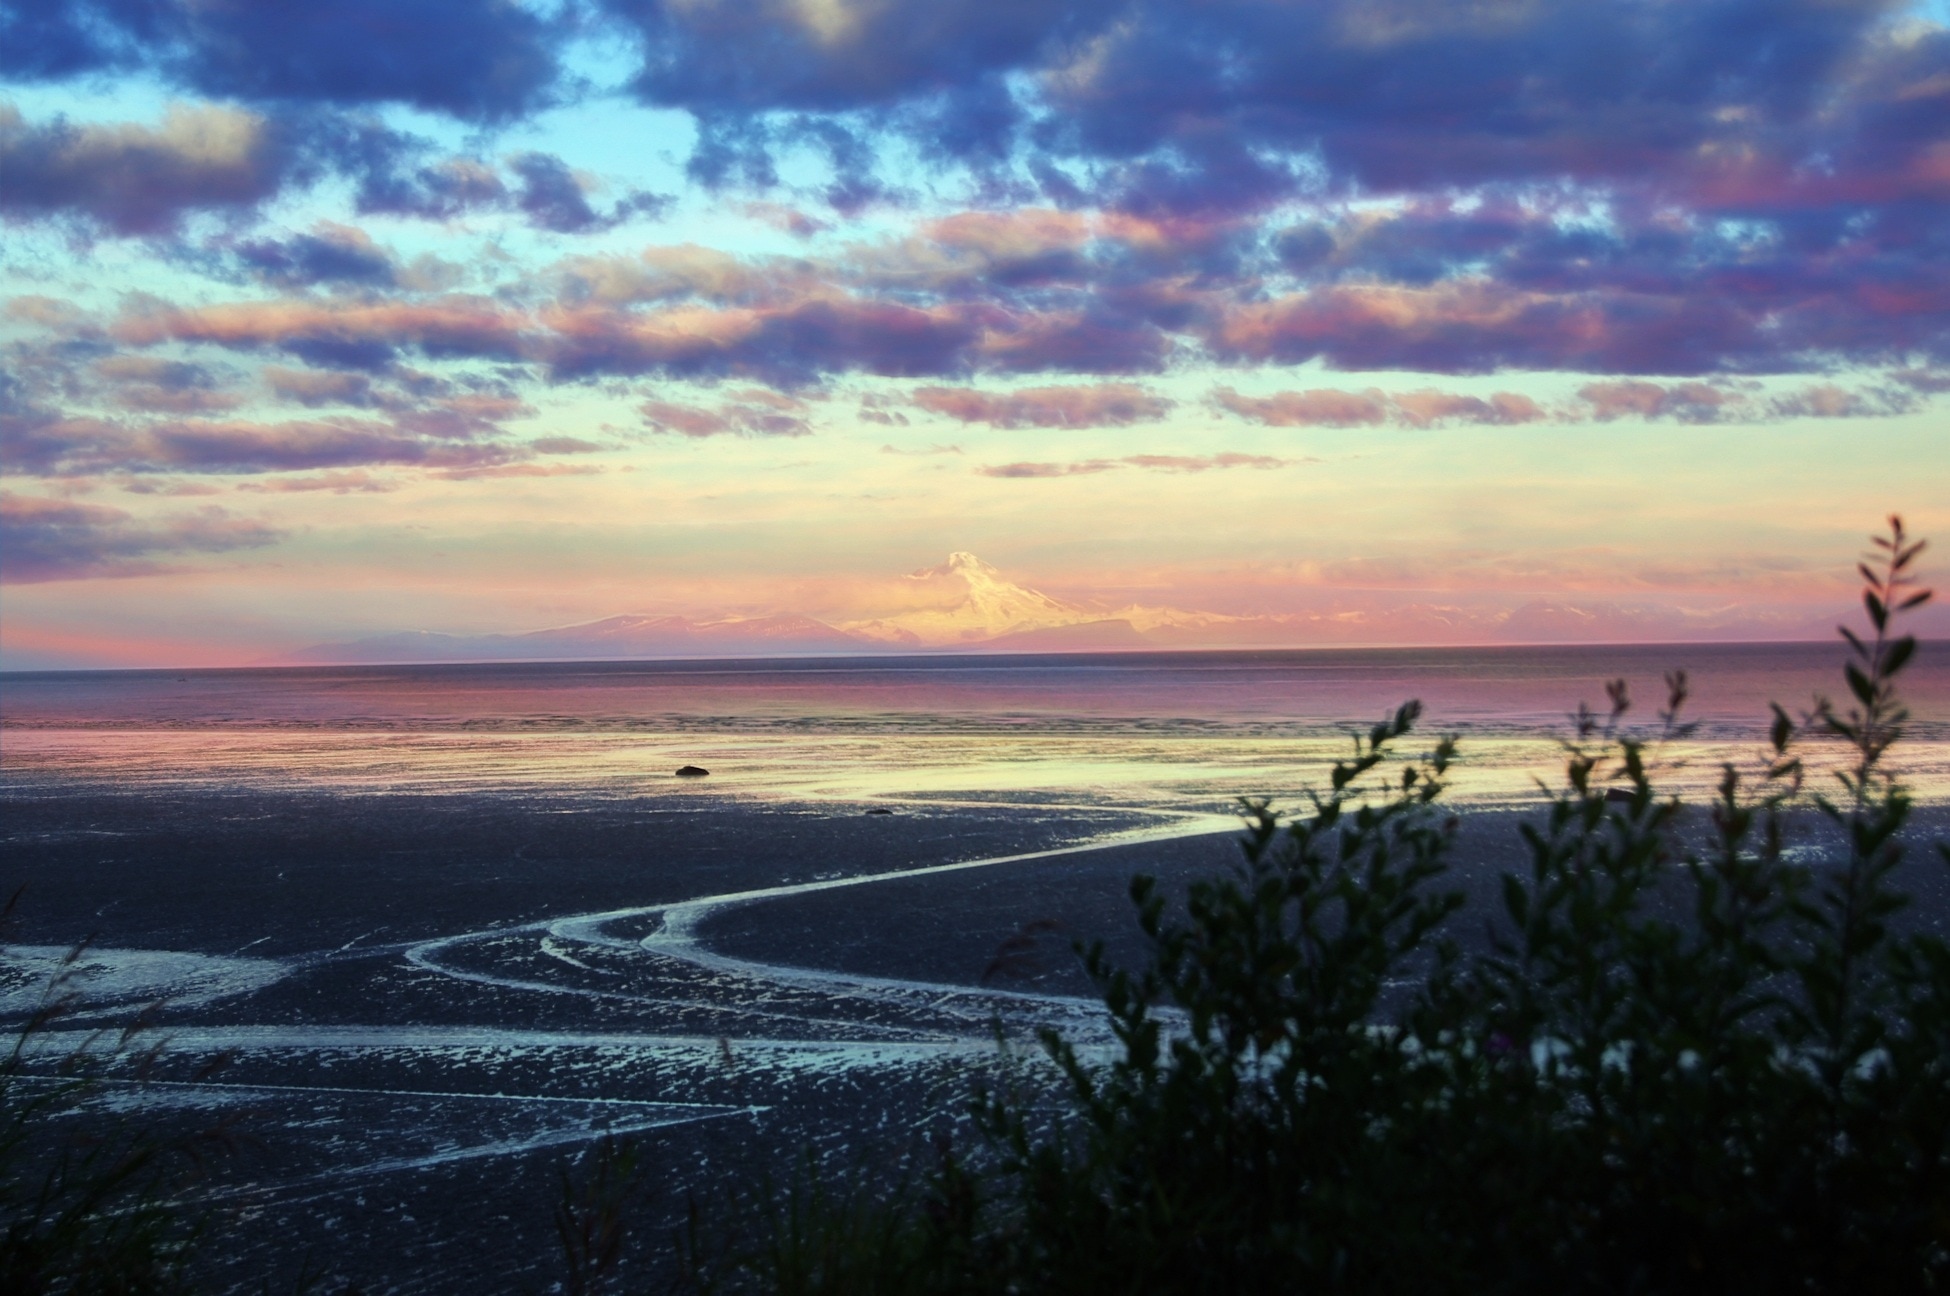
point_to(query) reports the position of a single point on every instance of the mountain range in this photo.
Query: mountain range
(967, 605)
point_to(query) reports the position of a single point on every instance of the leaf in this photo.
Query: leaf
(1899, 652)
(1878, 614)
(1918, 599)
(1516, 900)
(1858, 684)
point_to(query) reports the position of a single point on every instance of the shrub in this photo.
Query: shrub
(1683, 1060)
(88, 1200)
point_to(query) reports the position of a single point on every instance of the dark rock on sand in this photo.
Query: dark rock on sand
(880, 810)
(691, 771)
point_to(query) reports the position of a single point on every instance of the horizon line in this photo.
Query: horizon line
(939, 654)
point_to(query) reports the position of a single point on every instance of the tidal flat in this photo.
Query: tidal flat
(415, 941)
(428, 1005)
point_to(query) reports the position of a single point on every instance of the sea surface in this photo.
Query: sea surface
(427, 935)
(1147, 728)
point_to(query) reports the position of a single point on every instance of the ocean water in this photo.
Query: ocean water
(1178, 730)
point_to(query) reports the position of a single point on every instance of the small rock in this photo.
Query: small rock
(691, 771)
(880, 810)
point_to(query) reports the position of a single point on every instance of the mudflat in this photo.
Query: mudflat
(426, 1006)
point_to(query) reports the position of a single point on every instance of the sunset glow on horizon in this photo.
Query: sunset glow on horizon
(1244, 324)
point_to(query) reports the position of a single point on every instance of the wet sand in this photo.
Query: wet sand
(432, 1003)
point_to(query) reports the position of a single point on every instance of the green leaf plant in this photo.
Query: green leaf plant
(1683, 1056)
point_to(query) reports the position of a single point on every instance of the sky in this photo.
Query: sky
(1404, 320)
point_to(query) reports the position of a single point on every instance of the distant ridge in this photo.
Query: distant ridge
(608, 639)
(967, 605)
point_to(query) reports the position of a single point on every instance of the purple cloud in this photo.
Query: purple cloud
(1081, 468)
(136, 179)
(555, 198)
(475, 59)
(49, 540)
(331, 254)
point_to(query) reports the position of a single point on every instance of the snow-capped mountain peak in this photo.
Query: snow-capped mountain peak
(967, 599)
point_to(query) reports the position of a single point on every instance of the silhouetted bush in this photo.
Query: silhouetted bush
(1685, 1061)
(88, 1198)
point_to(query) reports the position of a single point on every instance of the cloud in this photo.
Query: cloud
(136, 179)
(129, 178)
(1047, 469)
(556, 198)
(473, 59)
(1321, 407)
(332, 254)
(1687, 402)
(1103, 405)
(396, 174)
(1926, 381)
(1597, 402)
(564, 445)
(456, 432)
(164, 486)
(786, 345)
(1827, 400)
(1206, 463)
(346, 482)
(1196, 105)
(148, 385)
(518, 470)
(351, 334)
(1148, 462)
(49, 540)
(1568, 281)
(751, 412)
(313, 387)
(242, 446)
(791, 220)
(727, 58)
(1427, 407)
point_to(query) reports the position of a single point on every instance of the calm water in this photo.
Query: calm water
(1163, 728)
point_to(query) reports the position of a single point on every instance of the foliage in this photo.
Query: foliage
(87, 1203)
(1683, 1060)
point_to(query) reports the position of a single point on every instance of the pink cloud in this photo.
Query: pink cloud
(316, 387)
(361, 332)
(1149, 462)
(752, 411)
(1205, 463)
(1692, 402)
(468, 473)
(1321, 407)
(339, 483)
(1102, 405)
(1427, 407)
(1047, 469)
